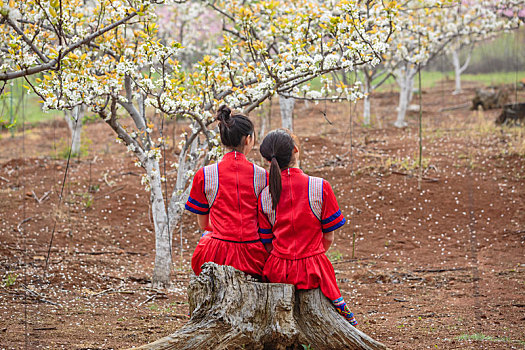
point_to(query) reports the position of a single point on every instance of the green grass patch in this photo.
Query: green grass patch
(17, 106)
(334, 255)
(63, 148)
(9, 280)
(430, 79)
(483, 337)
(495, 78)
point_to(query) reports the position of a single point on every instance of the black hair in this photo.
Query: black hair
(233, 127)
(277, 148)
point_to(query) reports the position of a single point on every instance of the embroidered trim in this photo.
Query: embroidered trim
(259, 180)
(211, 182)
(315, 195)
(342, 308)
(266, 202)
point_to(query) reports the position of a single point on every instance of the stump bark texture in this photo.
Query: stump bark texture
(490, 98)
(512, 114)
(230, 310)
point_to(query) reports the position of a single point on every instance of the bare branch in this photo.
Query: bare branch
(111, 120)
(382, 81)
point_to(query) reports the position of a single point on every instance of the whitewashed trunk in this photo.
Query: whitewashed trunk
(458, 69)
(189, 162)
(265, 121)
(163, 260)
(405, 81)
(74, 122)
(366, 103)
(165, 223)
(410, 82)
(402, 107)
(286, 105)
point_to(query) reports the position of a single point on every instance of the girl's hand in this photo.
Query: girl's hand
(328, 239)
(204, 222)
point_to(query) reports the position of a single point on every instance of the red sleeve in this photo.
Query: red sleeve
(197, 202)
(331, 217)
(265, 228)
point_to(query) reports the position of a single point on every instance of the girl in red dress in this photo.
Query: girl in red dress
(297, 218)
(224, 196)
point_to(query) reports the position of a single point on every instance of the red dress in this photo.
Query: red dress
(307, 209)
(228, 191)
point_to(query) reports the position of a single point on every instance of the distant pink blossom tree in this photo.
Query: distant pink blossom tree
(506, 19)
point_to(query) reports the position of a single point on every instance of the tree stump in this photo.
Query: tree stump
(229, 310)
(490, 98)
(512, 114)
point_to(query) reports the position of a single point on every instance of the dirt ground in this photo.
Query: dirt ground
(441, 267)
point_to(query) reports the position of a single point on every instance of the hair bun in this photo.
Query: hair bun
(224, 115)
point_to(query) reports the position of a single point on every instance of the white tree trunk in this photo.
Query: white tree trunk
(366, 103)
(458, 69)
(405, 81)
(265, 121)
(163, 260)
(74, 122)
(286, 105)
(457, 73)
(410, 82)
(402, 107)
(189, 160)
(264, 125)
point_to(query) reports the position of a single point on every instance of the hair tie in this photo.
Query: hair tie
(273, 156)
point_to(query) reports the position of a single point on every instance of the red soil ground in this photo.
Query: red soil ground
(442, 267)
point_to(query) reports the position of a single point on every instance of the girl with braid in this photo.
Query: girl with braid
(297, 218)
(224, 197)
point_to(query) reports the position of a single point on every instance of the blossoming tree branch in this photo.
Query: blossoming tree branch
(36, 35)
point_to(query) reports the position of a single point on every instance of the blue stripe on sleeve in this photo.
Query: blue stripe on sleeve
(265, 231)
(331, 218)
(199, 204)
(193, 210)
(335, 227)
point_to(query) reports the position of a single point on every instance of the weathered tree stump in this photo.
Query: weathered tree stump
(493, 97)
(512, 114)
(229, 310)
